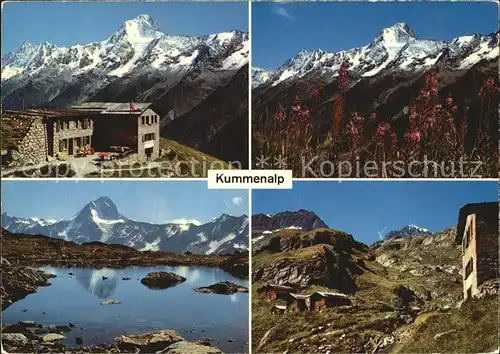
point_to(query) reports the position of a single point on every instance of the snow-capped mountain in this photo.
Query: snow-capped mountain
(100, 220)
(396, 49)
(301, 219)
(47, 74)
(407, 231)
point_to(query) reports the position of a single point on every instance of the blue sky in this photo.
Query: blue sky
(68, 23)
(280, 30)
(365, 208)
(149, 201)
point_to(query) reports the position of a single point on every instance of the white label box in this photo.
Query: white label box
(249, 179)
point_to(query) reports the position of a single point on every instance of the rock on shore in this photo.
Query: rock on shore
(223, 288)
(19, 338)
(18, 281)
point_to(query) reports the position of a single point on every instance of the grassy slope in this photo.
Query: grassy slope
(370, 318)
(474, 326)
(360, 328)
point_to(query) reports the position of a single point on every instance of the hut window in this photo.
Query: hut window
(467, 237)
(148, 137)
(58, 126)
(143, 120)
(468, 268)
(63, 144)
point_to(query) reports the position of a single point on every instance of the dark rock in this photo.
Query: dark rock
(125, 278)
(223, 288)
(78, 341)
(237, 265)
(62, 329)
(162, 280)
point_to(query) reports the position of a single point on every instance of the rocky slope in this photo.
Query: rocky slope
(34, 250)
(219, 124)
(321, 257)
(18, 281)
(395, 285)
(100, 221)
(137, 62)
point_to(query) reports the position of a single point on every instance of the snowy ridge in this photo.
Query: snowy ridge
(300, 220)
(100, 220)
(409, 230)
(395, 49)
(137, 50)
(137, 43)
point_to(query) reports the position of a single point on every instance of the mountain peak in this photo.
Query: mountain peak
(396, 34)
(300, 219)
(102, 207)
(139, 29)
(409, 230)
(143, 26)
(25, 46)
(104, 200)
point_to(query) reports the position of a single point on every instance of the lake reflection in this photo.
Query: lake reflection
(77, 298)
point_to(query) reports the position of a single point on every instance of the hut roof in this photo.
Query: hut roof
(280, 307)
(300, 296)
(282, 287)
(113, 107)
(331, 294)
(487, 212)
(48, 112)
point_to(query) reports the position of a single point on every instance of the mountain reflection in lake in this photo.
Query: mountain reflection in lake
(77, 298)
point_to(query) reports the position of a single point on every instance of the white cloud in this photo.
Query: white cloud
(237, 200)
(185, 221)
(281, 11)
(382, 233)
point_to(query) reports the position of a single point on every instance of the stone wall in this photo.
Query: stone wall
(487, 251)
(142, 130)
(469, 254)
(72, 132)
(32, 149)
